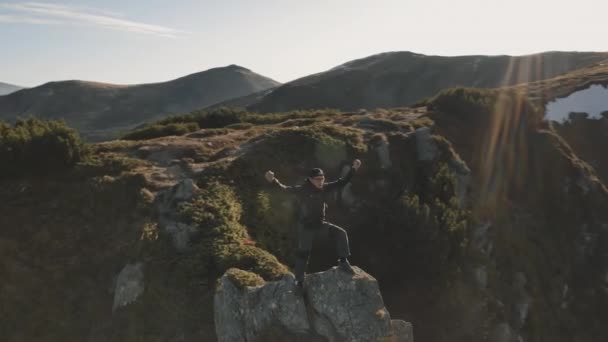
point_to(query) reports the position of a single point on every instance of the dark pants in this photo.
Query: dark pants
(306, 235)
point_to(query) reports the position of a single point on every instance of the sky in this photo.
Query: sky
(591, 101)
(145, 41)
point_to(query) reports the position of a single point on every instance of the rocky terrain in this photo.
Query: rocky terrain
(475, 217)
(333, 306)
(472, 218)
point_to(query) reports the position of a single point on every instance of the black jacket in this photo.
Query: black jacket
(311, 204)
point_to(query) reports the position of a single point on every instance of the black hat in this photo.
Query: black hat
(316, 172)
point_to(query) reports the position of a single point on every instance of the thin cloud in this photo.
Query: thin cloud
(45, 13)
(20, 19)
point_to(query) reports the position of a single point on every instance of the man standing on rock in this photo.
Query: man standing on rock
(311, 217)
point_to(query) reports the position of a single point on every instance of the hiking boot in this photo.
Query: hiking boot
(345, 266)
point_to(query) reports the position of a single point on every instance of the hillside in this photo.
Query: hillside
(396, 79)
(477, 219)
(103, 111)
(6, 88)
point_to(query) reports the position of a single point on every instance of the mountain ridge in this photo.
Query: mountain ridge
(402, 78)
(7, 88)
(101, 111)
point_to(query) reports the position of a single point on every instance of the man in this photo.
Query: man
(311, 217)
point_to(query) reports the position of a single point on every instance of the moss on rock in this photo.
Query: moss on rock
(242, 278)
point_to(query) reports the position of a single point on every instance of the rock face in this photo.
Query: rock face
(129, 285)
(168, 202)
(426, 147)
(334, 306)
(382, 149)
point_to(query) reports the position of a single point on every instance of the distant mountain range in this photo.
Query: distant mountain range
(6, 88)
(103, 111)
(396, 79)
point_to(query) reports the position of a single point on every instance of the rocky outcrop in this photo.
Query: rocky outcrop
(129, 285)
(168, 202)
(382, 150)
(333, 306)
(426, 147)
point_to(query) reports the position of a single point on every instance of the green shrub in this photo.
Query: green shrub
(493, 132)
(220, 117)
(223, 117)
(182, 124)
(449, 155)
(272, 228)
(208, 118)
(240, 125)
(35, 147)
(273, 118)
(472, 104)
(464, 101)
(427, 227)
(113, 164)
(224, 242)
(158, 130)
(250, 258)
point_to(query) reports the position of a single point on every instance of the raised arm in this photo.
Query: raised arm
(276, 184)
(342, 181)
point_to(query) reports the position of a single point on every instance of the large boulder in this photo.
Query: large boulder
(425, 145)
(333, 306)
